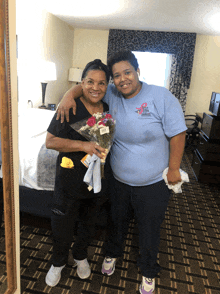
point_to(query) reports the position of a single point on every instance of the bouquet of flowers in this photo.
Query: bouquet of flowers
(99, 128)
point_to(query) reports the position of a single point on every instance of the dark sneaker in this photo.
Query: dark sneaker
(147, 286)
(108, 266)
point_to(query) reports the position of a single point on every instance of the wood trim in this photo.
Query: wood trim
(7, 149)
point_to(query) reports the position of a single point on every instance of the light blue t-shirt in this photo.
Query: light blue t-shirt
(144, 125)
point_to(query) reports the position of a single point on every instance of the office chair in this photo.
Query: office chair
(192, 131)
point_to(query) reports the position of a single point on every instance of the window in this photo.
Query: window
(154, 67)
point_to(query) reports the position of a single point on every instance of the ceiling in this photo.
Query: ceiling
(195, 16)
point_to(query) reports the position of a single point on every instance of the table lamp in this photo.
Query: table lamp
(48, 73)
(75, 75)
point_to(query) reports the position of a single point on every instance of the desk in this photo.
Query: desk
(206, 159)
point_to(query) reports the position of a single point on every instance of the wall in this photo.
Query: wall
(89, 45)
(58, 47)
(205, 74)
(45, 37)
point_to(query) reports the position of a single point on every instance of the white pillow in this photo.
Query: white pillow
(34, 121)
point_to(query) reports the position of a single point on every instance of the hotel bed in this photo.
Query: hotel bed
(36, 163)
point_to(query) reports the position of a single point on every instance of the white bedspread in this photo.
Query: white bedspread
(32, 126)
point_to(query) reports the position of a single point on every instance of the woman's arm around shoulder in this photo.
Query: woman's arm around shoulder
(67, 102)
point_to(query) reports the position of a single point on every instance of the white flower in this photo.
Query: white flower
(101, 126)
(94, 128)
(84, 128)
(97, 115)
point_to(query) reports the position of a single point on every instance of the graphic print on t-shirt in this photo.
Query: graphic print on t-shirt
(143, 111)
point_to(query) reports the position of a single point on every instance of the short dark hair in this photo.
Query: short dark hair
(96, 65)
(123, 55)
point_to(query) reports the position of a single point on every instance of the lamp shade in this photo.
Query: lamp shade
(47, 71)
(75, 74)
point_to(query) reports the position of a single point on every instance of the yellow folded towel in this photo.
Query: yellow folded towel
(67, 163)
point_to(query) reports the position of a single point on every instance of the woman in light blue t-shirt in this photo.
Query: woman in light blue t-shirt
(150, 136)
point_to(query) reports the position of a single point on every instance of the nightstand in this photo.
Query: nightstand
(49, 107)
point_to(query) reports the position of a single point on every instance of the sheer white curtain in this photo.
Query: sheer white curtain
(154, 67)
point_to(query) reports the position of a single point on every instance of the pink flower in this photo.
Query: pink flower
(91, 121)
(108, 116)
(101, 123)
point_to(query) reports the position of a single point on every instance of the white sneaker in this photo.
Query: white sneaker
(147, 286)
(53, 276)
(83, 268)
(108, 266)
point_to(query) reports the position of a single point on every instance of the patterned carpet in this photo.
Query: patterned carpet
(189, 251)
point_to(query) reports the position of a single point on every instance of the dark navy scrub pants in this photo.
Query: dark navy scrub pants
(63, 228)
(149, 204)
